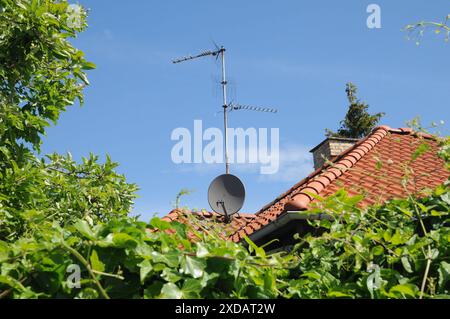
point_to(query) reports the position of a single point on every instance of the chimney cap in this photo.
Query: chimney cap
(335, 138)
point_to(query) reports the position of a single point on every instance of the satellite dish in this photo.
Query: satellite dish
(226, 195)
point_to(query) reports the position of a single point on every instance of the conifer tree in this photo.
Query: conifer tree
(357, 122)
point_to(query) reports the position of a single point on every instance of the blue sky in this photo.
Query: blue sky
(293, 55)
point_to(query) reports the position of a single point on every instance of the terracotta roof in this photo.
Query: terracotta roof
(205, 220)
(374, 167)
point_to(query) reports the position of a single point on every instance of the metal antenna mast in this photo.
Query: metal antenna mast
(221, 51)
(225, 111)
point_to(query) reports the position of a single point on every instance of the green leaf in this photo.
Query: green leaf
(4, 251)
(420, 150)
(258, 250)
(377, 250)
(433, 254)
(338, 294)
(88, 66)
(171, 259)
(192, 266)
(82, 76)
(191, 288)
(405, 289)
(202, 251)
(444, 275)
(154, 290)
(160, 224)
(406, 264)
(96, 264)
(397, 238)
(170, 275)
(312, 275)
(83, 227)
(145, 268)
(446, 197)
(171, 291)
(123, 240)
(373, 281)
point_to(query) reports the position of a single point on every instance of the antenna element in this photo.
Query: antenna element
(221, 52)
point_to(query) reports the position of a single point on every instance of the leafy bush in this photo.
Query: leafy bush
(399, 250)
(41, 73)
(395, 251)
(58, 189)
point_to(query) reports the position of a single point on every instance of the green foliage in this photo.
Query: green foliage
(378, 252)
(58, 189)
(41, 73)
(399, 250)
(358, 122)
(181, 193)
(417, 30)
(123, 259)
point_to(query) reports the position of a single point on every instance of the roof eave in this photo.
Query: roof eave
(284, 219)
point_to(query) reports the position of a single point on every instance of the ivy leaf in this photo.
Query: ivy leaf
(192, 266)
(444, 275)
(191, 288)
(374, 281)
(446, 197)
(171, 291)
(202, 251)
(160, 224)
(170, 275)
(145, 268)
(123, 240)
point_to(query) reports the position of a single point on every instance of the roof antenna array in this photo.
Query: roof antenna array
(226, 193)
(227, 107)
(252, 108)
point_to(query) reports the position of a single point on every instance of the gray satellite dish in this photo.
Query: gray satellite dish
(226, 195)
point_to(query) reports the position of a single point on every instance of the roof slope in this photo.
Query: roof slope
(206, 220)
(375, 167)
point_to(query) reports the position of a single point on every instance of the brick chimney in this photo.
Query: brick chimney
(330, 148)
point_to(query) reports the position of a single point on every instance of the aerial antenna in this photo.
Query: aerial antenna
(234, 107)
(220, 52)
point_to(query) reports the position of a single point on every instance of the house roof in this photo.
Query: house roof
(374, 167)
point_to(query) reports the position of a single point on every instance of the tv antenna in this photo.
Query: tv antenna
(227, 107)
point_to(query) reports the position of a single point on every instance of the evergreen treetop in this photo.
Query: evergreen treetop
(357, 122)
